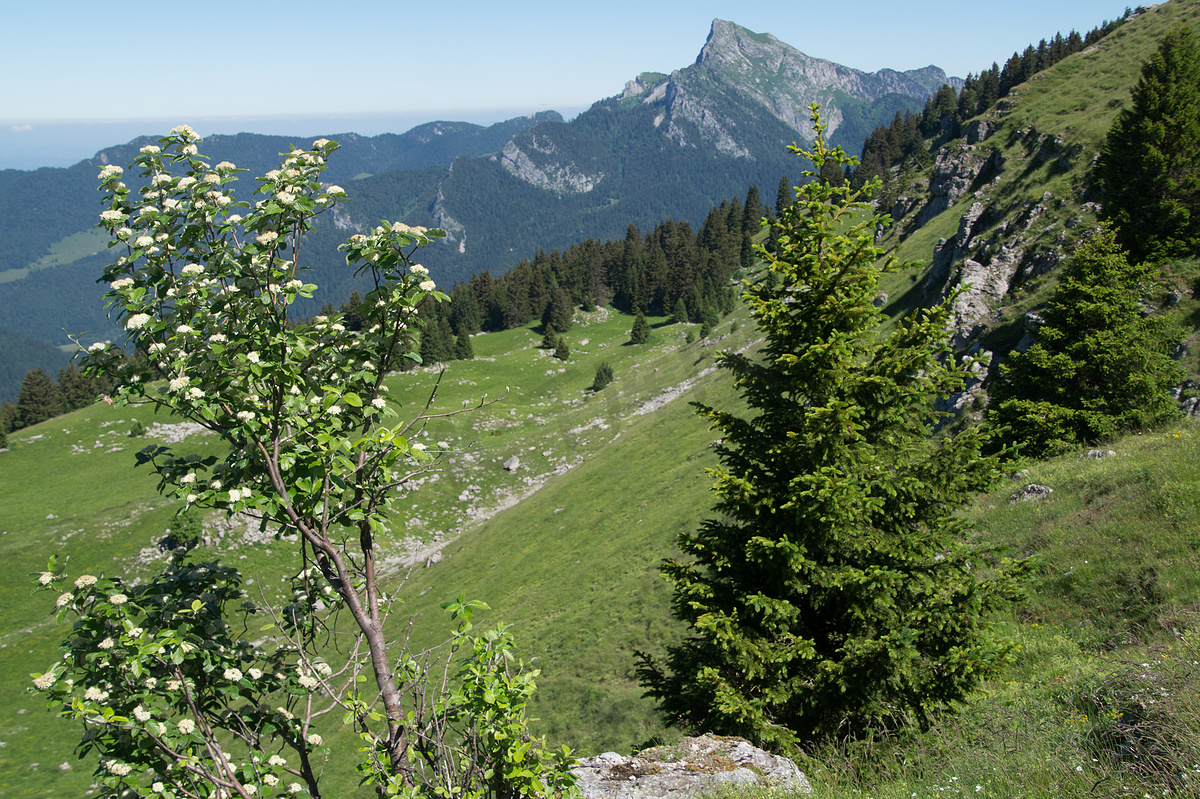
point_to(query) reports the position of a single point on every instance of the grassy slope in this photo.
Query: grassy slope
(577, 576)
(626, 485)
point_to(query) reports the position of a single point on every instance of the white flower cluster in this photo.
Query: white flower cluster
(238, 494)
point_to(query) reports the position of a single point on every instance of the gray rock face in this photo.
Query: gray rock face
(691, 767)
(535, 161)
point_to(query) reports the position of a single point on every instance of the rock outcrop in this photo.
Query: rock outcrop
(693, 766)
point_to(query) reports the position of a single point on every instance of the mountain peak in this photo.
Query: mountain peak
(787, 81)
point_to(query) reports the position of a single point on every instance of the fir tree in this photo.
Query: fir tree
(38, 400)
(640, 333)
(831, 594)
(604, 376)
(561, 350)
(549, 337)
(1150, 165)
(78, 390)
(680, 313)
(560, 311)
(1100, 367)
(463, 351)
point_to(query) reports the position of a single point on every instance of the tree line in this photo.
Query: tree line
(671, 269)
(913, 137)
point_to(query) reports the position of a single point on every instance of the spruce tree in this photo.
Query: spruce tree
(1100, 368)
(604, 376)
(831, 593)
(561, 350)
(463, 351)
(38, 400)
(549, 337)
(640, 333)
(1150, 165)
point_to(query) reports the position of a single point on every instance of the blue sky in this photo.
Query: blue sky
(71, 66)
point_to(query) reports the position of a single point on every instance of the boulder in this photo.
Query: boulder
(1031, 493)
(512, 464)
(692, 767)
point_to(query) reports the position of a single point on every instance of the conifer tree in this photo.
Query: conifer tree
(1100, 368)
(549, 337)
(78, 390)
(38, 400)
(830, 594)
(640, 333)
(561, 350)
(1150, 165)
(463, 351)
(604, 376)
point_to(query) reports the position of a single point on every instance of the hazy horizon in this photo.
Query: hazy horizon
(56, 144)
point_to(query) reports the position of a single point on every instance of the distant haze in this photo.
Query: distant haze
(62, 144)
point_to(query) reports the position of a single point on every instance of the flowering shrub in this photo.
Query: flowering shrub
(173, 698)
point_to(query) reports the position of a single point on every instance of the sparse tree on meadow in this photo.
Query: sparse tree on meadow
(831, 594)
(1101, 366)
(640, 333)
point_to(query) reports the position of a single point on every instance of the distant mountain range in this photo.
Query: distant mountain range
(669, 146)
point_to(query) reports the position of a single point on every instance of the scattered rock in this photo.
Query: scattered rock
(690, 768)
(1097, 454)
(512, 464)
(1031, 493)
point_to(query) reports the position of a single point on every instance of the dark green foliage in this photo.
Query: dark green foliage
(640, 333)
(680, 313)
(463, 351)
(39, 399)
(78, 390)
(8, 417)
(604, 376)
(549, 337)
(560, 311)
(1150, 166)
(830, 594)
(1100, 367)
(561, 350)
